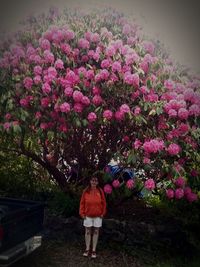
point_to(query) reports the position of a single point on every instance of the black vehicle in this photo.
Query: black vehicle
(21, 223)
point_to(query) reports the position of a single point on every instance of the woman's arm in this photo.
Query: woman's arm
(82, 205)
(103, 202)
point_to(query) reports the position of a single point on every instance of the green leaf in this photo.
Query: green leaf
(146, 106)
(50, 135)
(143, 119)
(78, 123)
(131, 158)
(17, 129)
(149, 85)
(159, 110)
(84, 122)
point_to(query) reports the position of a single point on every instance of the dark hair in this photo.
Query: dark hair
(88, 188)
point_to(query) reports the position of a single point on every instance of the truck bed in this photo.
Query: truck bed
(19, 221)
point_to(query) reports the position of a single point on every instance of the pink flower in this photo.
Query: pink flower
(96, 56)
(170, 193)
(52, 72)
(45, 102)
(107, 189)
(130, 184)
(37, 79)
(70, 35)
(180, 182)
(149, 184)
(152, 97)
(194, 173)
(24, 102)
(179, 193)
(119, 116)
(28, 82)
(172, 113)
(6, 125)
(95, 38)
(187, 190)
(43, 125)
(191, 197)
(83, 43)
(137, 111)
(68, 91)
(77, 96)
(59, 64)
(88, 36)
(146, 160)
(15, 123)
(131, 57)
(137, 144)
(46, 88)
(8, 116)
(126, 29)
(38, 115)
(92, 117)
(96, 90)
(135, 95)
(126, 138)
(104, 74)
(105, 64)
(37, 70)
(48, 57)
(144, 90)
(149, 47)
(45, 44)
(107, 114)
(63, 128)
(66, 48)
(90, 75)
(116, 66)
(144, 66)
(136, 80)
(65, 107)
(116, 183)
(183, 128)
(85, 101)
(194, 110)
(78, 107)
(183, 113)
(169, 84)
(110, 51)
(97, 100)
(124, 108)
(153, 146)
(173, 149)
(189, 95)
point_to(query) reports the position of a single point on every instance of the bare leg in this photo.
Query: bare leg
(95, 238)
(88, 237)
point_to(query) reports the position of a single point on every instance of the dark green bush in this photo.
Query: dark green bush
(61, 203)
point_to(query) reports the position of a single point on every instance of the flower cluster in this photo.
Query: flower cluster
(102, 90)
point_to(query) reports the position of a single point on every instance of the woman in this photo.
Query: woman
(92, 209)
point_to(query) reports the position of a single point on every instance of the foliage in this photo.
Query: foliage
(22, 178)
(63, 204)
(80, 89)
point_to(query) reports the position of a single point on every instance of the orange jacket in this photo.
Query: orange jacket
(93, 203)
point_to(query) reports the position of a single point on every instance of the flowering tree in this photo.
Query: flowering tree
(80, 89)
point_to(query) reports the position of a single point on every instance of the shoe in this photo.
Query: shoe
(86, 253)
(93, 255)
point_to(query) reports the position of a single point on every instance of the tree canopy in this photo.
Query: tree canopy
(79, 89)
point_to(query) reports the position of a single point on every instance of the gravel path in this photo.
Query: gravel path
(65, 254)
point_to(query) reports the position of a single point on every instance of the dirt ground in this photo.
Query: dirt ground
(65, 254)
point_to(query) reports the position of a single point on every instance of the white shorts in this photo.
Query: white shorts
(95, 222)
